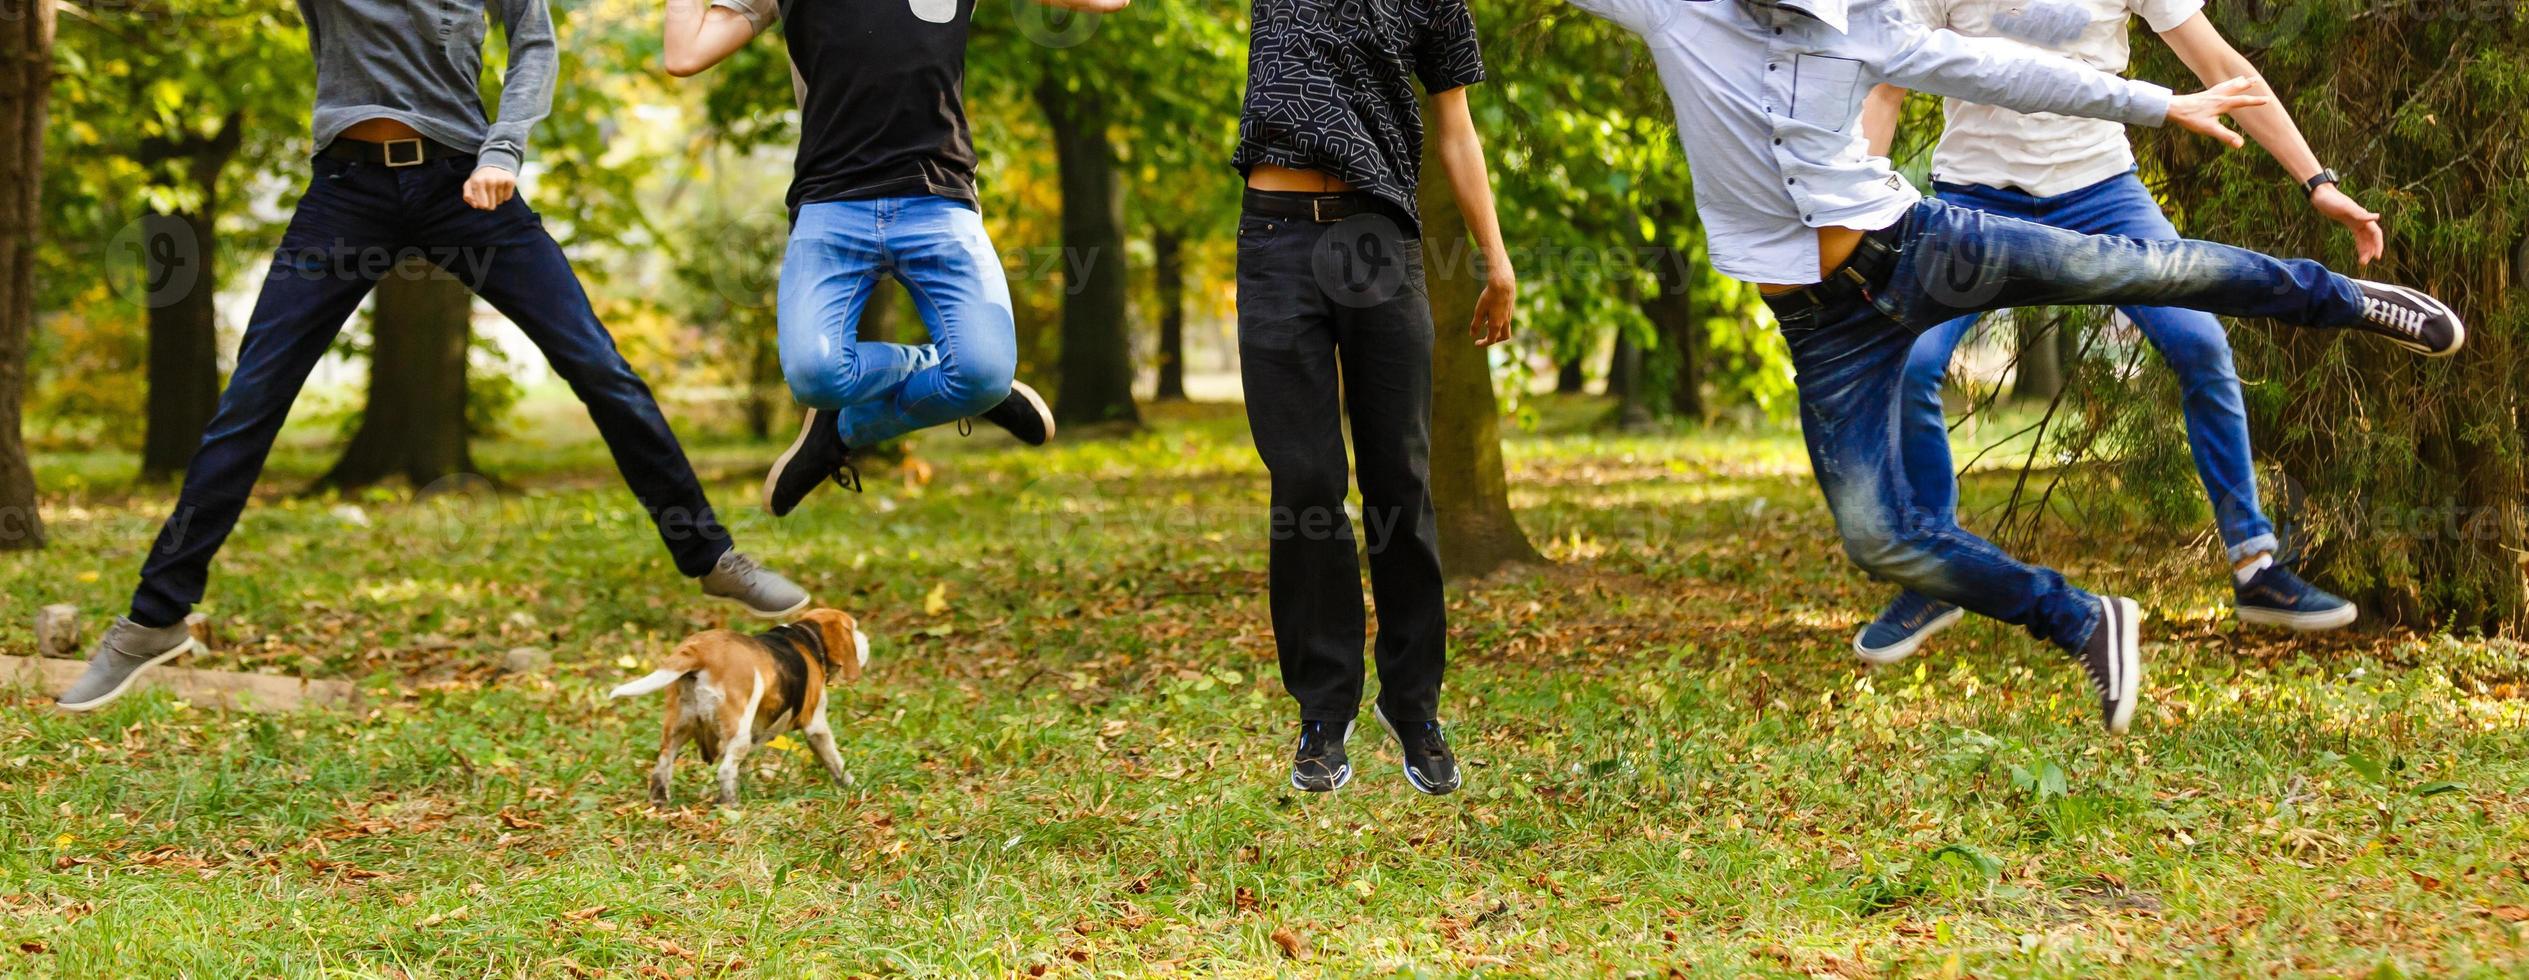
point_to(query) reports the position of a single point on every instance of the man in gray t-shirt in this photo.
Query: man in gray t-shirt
(410, 165)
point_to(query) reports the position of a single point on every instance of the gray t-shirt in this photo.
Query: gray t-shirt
(420, 62)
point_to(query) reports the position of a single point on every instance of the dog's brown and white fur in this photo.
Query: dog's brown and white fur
(726, 692)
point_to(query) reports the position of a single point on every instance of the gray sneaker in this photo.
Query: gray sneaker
(764, 593)
(126, 650)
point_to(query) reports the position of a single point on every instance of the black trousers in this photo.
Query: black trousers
(1333, 321)
(355, 222)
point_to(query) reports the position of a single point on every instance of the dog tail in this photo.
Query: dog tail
(671, 670)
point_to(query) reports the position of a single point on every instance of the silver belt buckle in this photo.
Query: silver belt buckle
(391, 159)
(1317, 210)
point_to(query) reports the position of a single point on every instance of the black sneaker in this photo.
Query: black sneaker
(1429, 764)
(816, 456)
(1318, 763)
(2113, 657)
(1024, 414)
(2411, 319)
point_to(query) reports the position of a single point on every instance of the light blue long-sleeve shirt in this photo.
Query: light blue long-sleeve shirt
(1769, 95)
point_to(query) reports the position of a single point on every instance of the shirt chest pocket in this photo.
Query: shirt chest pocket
(462, 20)
(1826, 92)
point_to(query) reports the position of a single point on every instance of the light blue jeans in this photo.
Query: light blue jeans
(2193, 343)
(839, 252)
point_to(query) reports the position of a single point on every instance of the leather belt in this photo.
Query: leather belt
(1324, 209)
(1873, 259)
(392, 153)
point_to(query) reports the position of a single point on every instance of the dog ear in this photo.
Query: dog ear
(841, 634)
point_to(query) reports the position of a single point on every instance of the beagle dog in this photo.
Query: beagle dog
(730, 692)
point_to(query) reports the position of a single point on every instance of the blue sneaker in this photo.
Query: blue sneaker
(2276, 597)
(1903, 626)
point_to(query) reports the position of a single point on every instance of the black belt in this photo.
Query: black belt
(1873, 259)
(393, 153)
(1324, 209)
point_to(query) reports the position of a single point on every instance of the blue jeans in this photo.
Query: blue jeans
(2193, 343)
(936, 247)
(1851, 348)
(355, 222)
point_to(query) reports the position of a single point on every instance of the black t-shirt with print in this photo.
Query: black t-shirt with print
(883, 111)
(1330, 87)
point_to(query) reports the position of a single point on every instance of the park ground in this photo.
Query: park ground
(1068, 756)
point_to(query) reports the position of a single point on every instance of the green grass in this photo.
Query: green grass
(1076, 766)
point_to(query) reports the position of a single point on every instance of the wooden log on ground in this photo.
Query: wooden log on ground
(205, 688)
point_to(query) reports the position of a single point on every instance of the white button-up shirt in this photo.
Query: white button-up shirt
(1768, 95)
(2043, 153)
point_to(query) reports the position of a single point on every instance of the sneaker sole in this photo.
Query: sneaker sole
(1037, 402)
(2301, 621)
(783, 462)
(190, 645)
(751, 610)
(2458, 328)
(1416, 781)
(1343, 777)
(2126, 617)
(1902, 649)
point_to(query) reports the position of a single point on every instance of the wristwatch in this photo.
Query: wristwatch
(2322, 178)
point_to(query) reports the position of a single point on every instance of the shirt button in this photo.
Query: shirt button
(1772, 67)
(1778, 141)
(1791, 180)
(1778, 30)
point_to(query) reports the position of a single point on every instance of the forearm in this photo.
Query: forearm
(526, 89)
(1880, 113)
(699, 34)
(2270, 124)
(1462, 155)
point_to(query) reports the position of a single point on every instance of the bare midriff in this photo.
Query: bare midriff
(380, 130)
(1273, 177)
(1835, 245)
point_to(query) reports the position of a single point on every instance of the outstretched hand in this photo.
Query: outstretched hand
(490, 187)
(2202, 112)
(2340, 208)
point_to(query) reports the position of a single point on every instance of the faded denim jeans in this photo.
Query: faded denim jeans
(839, 253)
(2193, 343)
(1950, 262)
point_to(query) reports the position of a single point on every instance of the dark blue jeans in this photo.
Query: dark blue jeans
(1950, 261)
(2193, 343)
(355, 223)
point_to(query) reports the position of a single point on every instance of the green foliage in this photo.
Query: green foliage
(2412, 473)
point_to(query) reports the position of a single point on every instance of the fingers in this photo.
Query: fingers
(2233, 103)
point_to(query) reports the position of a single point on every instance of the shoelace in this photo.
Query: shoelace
(847, 476)
(1431, 739)
(2399, 317)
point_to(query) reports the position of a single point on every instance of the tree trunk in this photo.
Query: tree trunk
(1478, 532)
(1167, 250)
(1572, 376)
(2039, 374)
(1671, 310)
(1625, 382)
(414, 425)
(26, 43)
(180, 263)
(1096, 360)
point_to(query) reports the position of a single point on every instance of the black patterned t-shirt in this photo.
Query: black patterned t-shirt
(1330, 86)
